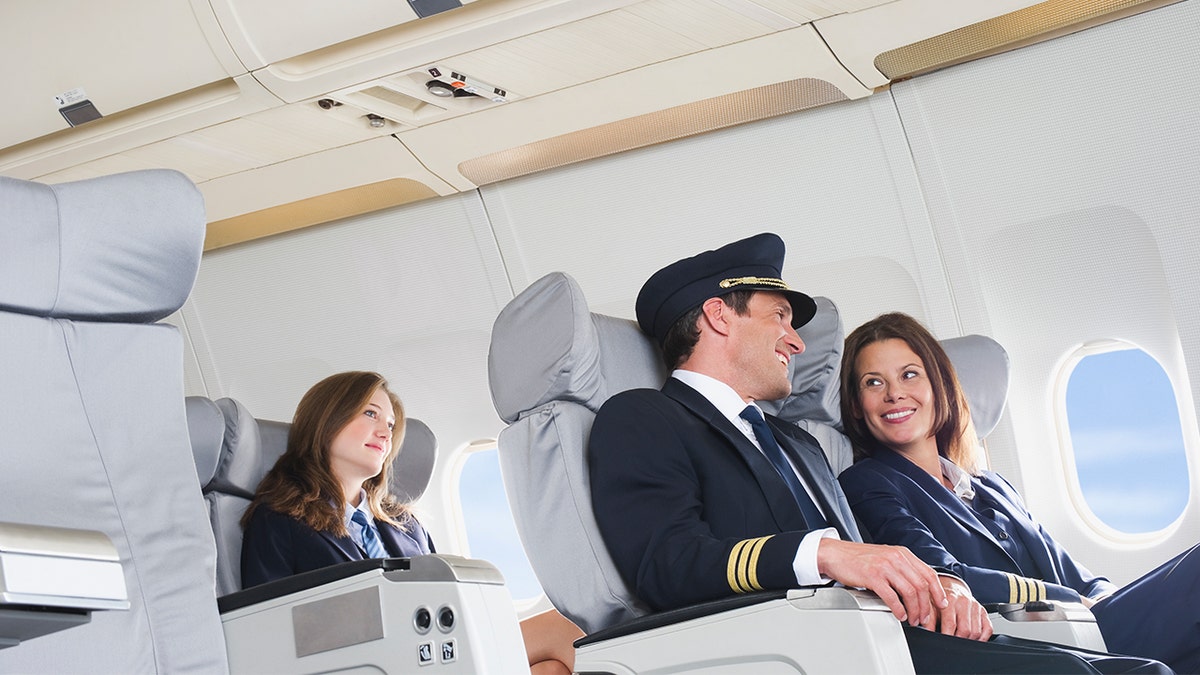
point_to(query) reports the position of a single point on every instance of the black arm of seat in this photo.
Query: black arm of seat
(300, 582)
(674, 616)
(1010, 607)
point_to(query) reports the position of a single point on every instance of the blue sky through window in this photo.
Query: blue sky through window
(491, 532)
(1127, 439)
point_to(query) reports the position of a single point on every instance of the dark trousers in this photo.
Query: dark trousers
(940, 654)
(1157, 616)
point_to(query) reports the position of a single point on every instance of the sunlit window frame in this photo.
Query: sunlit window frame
(1062, 425)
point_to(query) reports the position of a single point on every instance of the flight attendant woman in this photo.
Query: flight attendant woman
(915, 483)
(326, 501)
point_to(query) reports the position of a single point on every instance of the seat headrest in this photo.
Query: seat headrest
(121, 248)
(548, 347)
(982, 366)
(249, 448)
(245, 457)
(816, 389)
(206, 429)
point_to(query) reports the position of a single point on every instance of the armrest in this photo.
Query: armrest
(394, 615)
(674, 616)
(828, 629)
(52, 578)
(1067, 623)
(305, 581)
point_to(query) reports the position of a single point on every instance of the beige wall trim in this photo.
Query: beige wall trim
(314, 211)
(1035, 23)
(656, 127)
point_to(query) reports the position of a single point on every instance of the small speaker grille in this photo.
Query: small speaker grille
(657, 127)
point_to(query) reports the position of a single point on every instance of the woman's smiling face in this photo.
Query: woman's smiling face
(895, 396)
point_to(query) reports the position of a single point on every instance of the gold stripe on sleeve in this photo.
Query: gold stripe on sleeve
(742, 570)
(1012, 587)
(732, 568)
(755, 549)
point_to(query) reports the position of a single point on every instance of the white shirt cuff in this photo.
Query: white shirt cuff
(805, 562)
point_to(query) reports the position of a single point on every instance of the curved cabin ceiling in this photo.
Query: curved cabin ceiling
(288, 113)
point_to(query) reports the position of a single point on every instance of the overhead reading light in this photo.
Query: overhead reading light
(439, 88)
(459, 85)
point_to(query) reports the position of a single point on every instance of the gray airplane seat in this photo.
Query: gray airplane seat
(93, 435)
(393, 615)
(552, 364)
(232, 451)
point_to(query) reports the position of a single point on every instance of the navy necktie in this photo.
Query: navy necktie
(774, 453)
(370, 540)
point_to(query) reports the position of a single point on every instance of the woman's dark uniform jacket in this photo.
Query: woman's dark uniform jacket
(275, 546)
(676, 488)
(1009, 557)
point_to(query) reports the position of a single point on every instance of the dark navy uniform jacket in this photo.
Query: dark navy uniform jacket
(1007, 557)
(275, 546)
(689, 508)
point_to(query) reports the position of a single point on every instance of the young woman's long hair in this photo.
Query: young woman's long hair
(952, 417)
(302, 484)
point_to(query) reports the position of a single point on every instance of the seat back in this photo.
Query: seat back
(233, 451)
(551, 365)
(93, 434)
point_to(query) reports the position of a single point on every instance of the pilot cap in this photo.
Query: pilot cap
(752, 264)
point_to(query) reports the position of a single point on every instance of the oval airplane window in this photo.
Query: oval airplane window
(1127, 438)
(491, 531)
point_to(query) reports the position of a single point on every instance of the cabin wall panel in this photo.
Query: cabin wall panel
(1060, 182)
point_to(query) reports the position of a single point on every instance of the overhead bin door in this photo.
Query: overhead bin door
(156, 49)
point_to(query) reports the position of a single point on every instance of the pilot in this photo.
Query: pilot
(698, 497)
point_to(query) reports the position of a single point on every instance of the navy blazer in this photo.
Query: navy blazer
(899, 503)
(689, 508)
(275, 546)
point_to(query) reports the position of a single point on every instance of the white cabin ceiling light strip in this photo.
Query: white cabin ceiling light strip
(1038, 22)
(657, 127)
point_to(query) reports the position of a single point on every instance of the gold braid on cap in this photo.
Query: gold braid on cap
(760, 281)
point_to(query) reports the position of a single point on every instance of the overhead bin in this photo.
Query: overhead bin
(676, 98)
(59, 54)
(371, 175)
(112, 144)
(415, 44)
(247, 90)
(262, 32)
